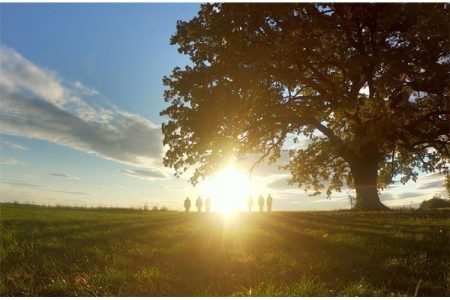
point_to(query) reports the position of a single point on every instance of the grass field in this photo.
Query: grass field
(82, 252)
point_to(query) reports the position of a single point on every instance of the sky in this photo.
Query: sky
(80, 95)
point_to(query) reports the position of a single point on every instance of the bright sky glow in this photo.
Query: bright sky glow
(228, 190)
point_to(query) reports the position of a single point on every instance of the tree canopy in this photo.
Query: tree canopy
(368, 84)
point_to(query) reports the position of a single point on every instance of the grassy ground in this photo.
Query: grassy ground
(63, 251)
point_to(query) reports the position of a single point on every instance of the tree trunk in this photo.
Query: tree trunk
(365, 173)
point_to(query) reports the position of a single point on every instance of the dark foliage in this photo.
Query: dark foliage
(368, 84)
(434, 203)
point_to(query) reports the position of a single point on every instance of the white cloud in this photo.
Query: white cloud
(62, 175)
(176, 188)
(18, 72)
(12, 145)
(296, 141)
(24, 184)
(150, 174)
(264, 168)
(10, 161)
(36, 104)
(431, 181)
(282, 184)
(413, 193)
(364, 90)
(21, 183)
(85, 90)
(299, 200)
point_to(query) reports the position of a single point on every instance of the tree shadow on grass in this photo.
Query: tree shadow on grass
(203, 254)
(374, 250)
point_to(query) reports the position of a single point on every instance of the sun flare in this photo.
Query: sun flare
(228, 190)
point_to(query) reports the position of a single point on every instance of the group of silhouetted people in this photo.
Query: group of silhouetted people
(261, 201)
(199, 203)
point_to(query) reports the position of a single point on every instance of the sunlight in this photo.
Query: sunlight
(228, 190)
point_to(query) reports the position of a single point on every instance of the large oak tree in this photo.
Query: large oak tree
(367, 83)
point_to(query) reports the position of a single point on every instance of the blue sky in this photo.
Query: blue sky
(81, 126)
(122, 50)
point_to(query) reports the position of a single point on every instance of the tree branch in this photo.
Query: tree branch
(269, 150)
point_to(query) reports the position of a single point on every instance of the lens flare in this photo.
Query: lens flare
(228, 190)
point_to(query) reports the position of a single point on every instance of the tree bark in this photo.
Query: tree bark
(365, 174)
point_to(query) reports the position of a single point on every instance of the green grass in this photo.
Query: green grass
(82, 252)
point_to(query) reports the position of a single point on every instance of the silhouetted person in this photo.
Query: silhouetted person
(208, 204)
(199, 204)
(250, 203)
(261, 203)
(269, 203)
(187, 204)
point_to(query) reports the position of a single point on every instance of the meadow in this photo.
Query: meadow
(112, 252)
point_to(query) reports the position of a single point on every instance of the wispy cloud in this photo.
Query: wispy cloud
(36, 103)
(12, 145)
(62, 175)
(21, 183)
(145, 174)
(175, 188)
(281, 184)
(10, 161)
(264, 168)
(85, 90)
(431, 181)
(70, 192)
(431, 185)
(407, 195)
(25, 184)
(19, 73)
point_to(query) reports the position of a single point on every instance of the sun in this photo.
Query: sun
(228, 190)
